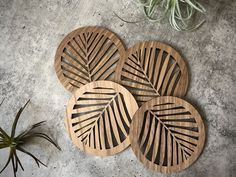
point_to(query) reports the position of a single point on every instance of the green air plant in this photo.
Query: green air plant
(179, 13)
(16, 143)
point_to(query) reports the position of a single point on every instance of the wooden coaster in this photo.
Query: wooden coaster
(98, 117)
(87, 54)
(152, 69)
(167, 134)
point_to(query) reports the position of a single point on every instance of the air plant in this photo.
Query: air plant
(178, 12)
(16, 143)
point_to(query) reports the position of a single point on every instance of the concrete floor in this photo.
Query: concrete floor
(30, 31)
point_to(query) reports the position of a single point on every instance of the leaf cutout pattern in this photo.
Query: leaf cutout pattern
(153, 69)
(87, 54)
(170, 135)
(100, 117)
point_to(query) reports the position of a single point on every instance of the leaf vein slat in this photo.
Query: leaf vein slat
(145, 133)
(171, 111)
(84, 123)
(150, 138)
(120, 105)
(151, 67)
(83, 117)
(167, 78)
(74, 47)
(114, 125)
(118, 116)
(182, 124)
(94, 51)
(102, 58)
(104, 68)
(108, 129)
(75, 77)
(76, 71)
(74, 62)
(102, 133)
(169, 148)
(156, 144)
(163, 146)
(157, 68)
(172, 82)
(163, 72)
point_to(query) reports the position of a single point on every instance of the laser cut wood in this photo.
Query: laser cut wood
(167, 134)
(87, 54)
(98, 117)
(152, 69)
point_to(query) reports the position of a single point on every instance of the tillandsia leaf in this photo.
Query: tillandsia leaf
(21, 135)
(197, 7)
(14, 165)
(150, 18)
(41, 135)
(126, 21)
(2, 146)
(18, 160)
(38, 162)
(16, 119)
(178, 12)
(4, 134)
(152, 5)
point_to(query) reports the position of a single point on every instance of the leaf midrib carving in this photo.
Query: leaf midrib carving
(87, 64)
(167, 130)
(99, 116)
(144, 73)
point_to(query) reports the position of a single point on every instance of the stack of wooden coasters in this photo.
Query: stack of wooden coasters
(122, 97)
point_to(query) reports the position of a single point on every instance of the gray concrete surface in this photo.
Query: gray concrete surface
(30, 31)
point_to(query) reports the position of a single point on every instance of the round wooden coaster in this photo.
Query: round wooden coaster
(87, 54)
(167, 134)
(98, 117)
(152, 69)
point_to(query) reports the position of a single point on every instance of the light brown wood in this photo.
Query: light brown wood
(167, 134)
(152, 69)
(87, 54)
(98, 117)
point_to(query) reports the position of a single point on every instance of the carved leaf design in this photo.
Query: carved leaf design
(169, 136)
(153, 69)
(87, 54)
(99, 123)
(99, 118)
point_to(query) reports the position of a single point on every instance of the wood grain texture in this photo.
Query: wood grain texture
(87, 54)
(152, 69)
(167, 134)
(98, 117)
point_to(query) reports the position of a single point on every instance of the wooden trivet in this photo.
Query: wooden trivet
(167, 134)
(152, 69)
(87, 54)
(98, 117)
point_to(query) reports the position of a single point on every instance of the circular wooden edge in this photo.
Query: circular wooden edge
(68, 124)
(57, 66)
(142, 158)
(183, 67)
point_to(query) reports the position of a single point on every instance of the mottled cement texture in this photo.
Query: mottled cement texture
(30, 31)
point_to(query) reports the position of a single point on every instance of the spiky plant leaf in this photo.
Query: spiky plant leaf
(14, 143)
(13, 130)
